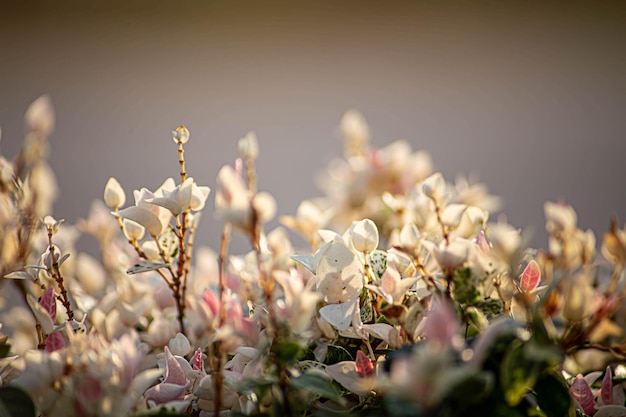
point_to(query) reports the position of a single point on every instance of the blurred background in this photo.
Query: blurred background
(529, 97)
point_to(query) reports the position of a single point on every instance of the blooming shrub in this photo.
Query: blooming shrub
(406, 302)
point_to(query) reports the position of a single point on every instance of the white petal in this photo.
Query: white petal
(364, 235)
(434, 187)
(339, 315)
(133, 230)
(452, 214)
(144, 217)
(339, 273)
(168, 203)
(265, 205)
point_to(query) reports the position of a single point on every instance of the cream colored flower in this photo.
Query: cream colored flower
(114, 196)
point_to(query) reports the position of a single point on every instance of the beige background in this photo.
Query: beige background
(530, 97)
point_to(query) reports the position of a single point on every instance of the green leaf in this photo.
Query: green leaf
(289, 351)
(15, 402)
(491, 307)
(553, 396)
(517, 374)
(253, 384)
(315, 384)
(465, 287)
(4, 350)
(337, 354)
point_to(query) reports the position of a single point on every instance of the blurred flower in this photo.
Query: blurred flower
(234, 204)
(39, 116)
(249, 146)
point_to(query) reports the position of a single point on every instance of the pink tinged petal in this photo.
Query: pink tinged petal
(211, 300)
(442, 323)
(345, 374)
(41, 314)
(389, 280)
(165, 392)
(54, 342)
(197, 361)
(607, 387)
(364, 366)
(174, 373)
(530, 277)
(49, 302)
(481, 241)
(581, 391)
(90, 389)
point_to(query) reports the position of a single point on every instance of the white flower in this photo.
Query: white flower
(114, 196)
(51, 224)
(355, 132)
(559, 217)
(364, 235)
(410, 236)
(186, 196)
(339, 273)
(233, 202)
(453, 255)
(434, 187)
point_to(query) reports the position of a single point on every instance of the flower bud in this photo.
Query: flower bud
(179, 345)
(39, 116)
(577, 298)
(249, 146)
(356, 133)
(410, 236)
(133, 230)
(434, 187)
(180, 135)
(114, 196)
(364, 235)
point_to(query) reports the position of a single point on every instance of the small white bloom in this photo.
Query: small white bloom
(133, 230)
(410, 236)
(364, 235)
(559, 217)
(51, 224)
(114, 196)
(434, 187)
(453, 255)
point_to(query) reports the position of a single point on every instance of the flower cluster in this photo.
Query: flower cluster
(406, 300)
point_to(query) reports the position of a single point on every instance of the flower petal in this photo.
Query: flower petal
(144, 217)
